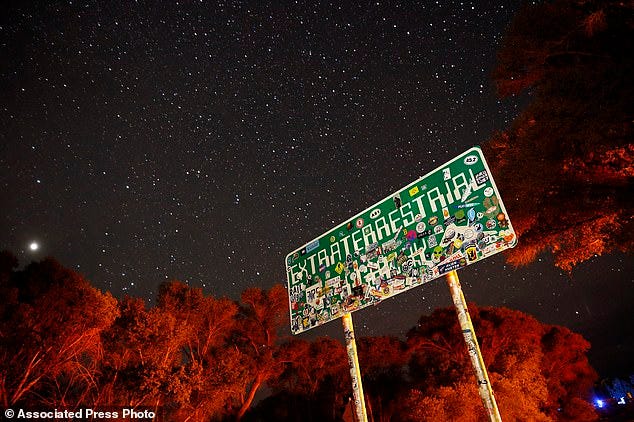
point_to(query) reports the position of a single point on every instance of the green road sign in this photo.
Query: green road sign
(446, 220)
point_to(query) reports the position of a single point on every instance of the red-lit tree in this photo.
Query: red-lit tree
(529, 370)
(566, 166)
(50, 325)
(261, 315)
(314, 382)
(212, 370)
(176, 355)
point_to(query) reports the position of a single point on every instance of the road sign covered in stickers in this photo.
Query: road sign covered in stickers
(446, 220)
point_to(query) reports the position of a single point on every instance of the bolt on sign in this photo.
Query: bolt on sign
(446, 220)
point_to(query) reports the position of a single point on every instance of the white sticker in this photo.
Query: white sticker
(375, 213)
(488, 192)
(470, 160)
(420, 227)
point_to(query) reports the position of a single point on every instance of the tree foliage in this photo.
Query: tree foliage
(565, 166)
(195, 357)
(520, 355)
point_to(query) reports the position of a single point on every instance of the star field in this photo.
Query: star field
(204, 141)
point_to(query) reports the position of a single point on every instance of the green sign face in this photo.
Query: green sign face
(446, 220)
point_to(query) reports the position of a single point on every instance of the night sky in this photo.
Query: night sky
(205, 141)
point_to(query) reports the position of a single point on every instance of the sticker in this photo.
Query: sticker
(481, 177)
(457, 243)
(413, 191)
(332, 239)
(363, 269)
(349, 226)
(424, 233)
(471, 214)
(359, 223)
(470, 160)
(502, 221)
(490, 224)
(397, 201)
(418, 218)
(375, 213)
(431, 241)
(445, 212)
(420, 227)
(446, 174)
(488, 191)
(339, 268)
(433, 221)
(411, 235)
(353, 276)
(327, 274)
(312, 246)
(322, 267)
(450, 266)
(438, 229)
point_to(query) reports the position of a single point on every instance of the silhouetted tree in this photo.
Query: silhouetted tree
(565, 167)
(313, 385)
(383, 361)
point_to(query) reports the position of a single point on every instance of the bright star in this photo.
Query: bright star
(34, 246)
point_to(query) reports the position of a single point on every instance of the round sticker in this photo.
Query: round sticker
(490, 224)
(332, 239)
(469, 234)
(359, 223)
(488, 191)
(375, 213)
(438, 229)
(363, 268)
(420, 227)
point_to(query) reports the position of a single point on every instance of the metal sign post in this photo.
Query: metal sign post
(484, 385)
(355, 372)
